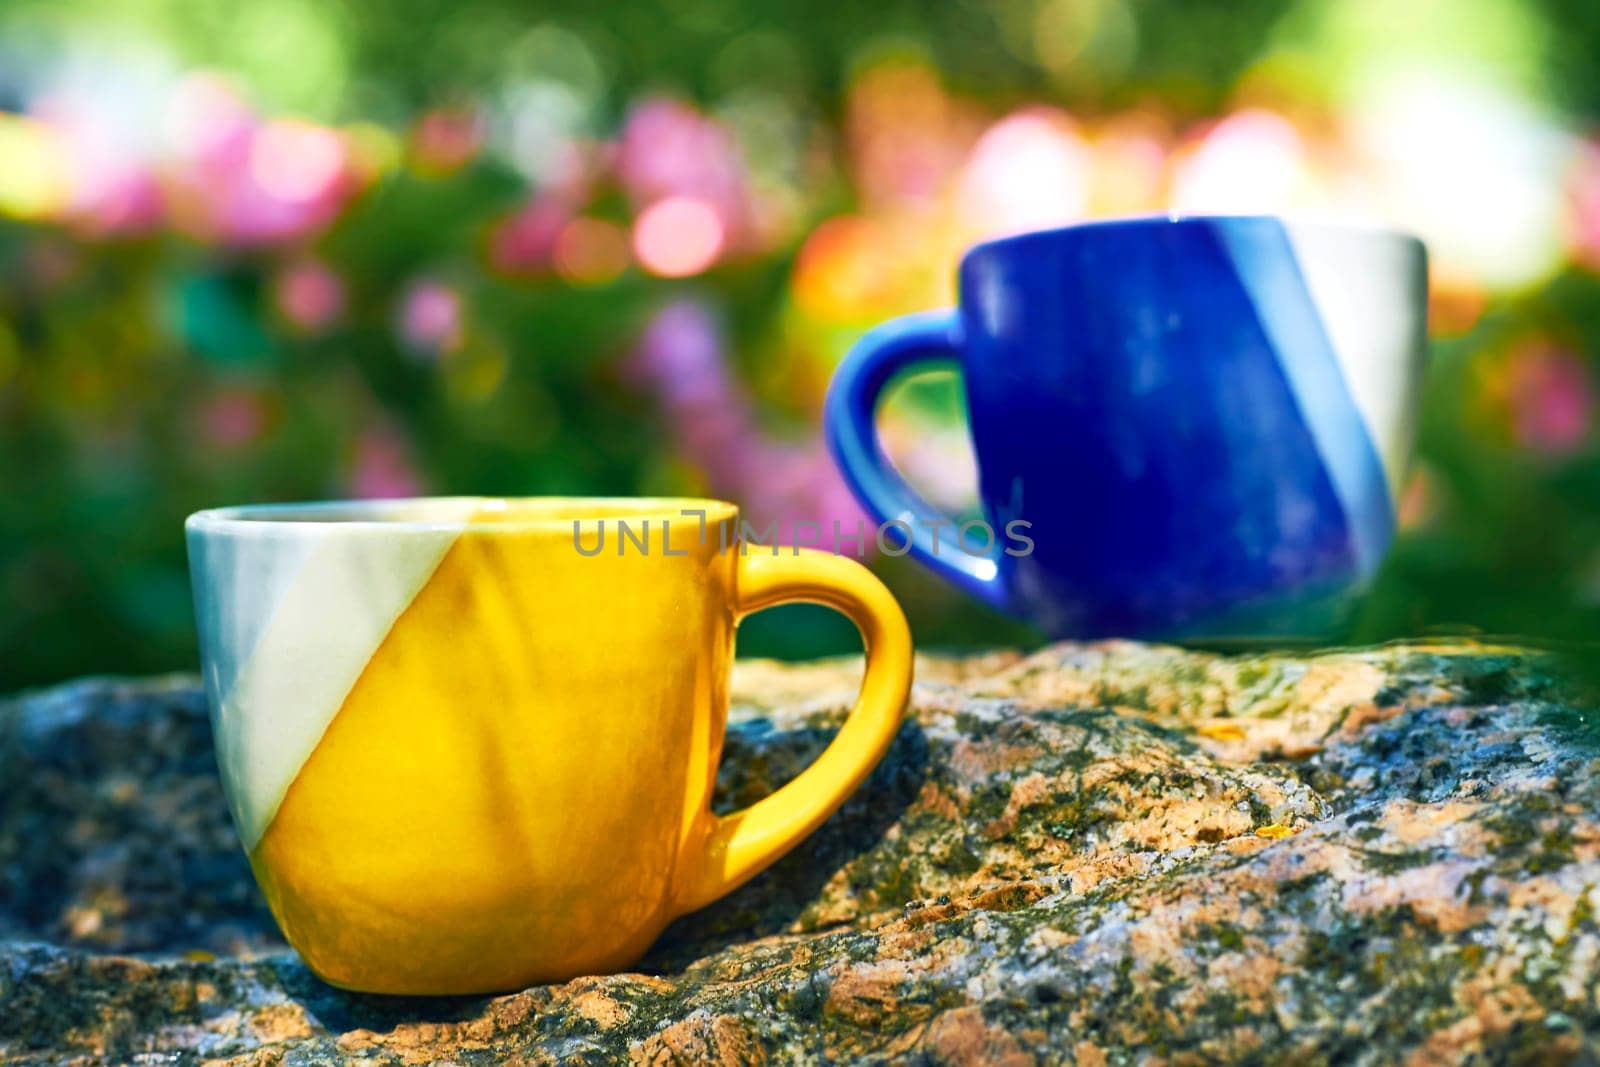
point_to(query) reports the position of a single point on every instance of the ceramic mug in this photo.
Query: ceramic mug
(1200, 424)
(469, 745)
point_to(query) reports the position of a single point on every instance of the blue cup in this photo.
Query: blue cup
(1185, 428)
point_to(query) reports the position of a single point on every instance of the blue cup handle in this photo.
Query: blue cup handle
(849, 420)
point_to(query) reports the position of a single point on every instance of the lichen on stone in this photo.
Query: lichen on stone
(1108, 853)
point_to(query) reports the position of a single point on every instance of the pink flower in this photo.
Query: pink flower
(431, 318)
(680, 356)
(446, 139)
(111, 184)
(668, 148)
(1584, 207)
(210, 126)
(309, 295)
(1551, 394)
(120, 201)
(383, 468)
(245, 182)
(525, 242)
(670, 154)
(232, 418)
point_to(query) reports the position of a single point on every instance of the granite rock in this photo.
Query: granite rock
(1108, 853)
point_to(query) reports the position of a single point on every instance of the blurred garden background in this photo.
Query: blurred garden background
(288, 249)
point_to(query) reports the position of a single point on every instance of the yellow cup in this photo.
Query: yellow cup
(469, 744)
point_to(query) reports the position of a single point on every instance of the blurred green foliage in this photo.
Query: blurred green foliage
(148, 373)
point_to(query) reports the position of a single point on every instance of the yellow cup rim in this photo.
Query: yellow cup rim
(445, 513)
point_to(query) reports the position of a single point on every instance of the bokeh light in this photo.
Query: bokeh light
(430, 319)
(591, 251)
(1029, 171)
(309, 295)
(678, 236)
(33, 169)
(1250, 162)
(296, 162)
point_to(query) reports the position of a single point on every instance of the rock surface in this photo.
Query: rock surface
(1105, 853)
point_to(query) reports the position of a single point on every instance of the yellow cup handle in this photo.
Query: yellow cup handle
(739, 846)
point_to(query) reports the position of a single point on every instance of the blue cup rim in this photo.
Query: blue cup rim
(1164, 220)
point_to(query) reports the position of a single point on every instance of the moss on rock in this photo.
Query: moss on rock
(1095, 853)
